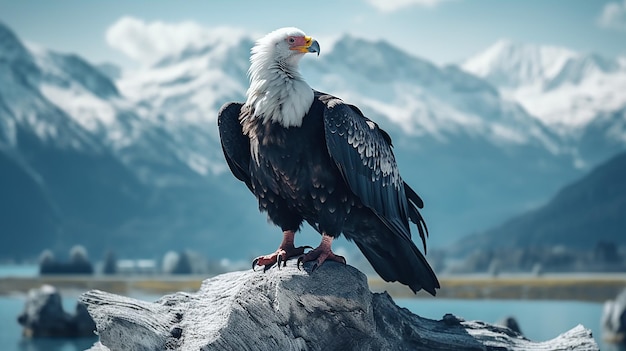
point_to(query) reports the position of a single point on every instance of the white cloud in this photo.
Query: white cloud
(395, 5)
(147, 42)
(613, 16)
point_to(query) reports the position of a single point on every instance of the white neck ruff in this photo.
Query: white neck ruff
(277, 92)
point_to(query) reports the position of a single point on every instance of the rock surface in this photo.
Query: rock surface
(288, 309)
(43, 316)
(614, 319)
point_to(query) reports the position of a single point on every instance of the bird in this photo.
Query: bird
(308, 156)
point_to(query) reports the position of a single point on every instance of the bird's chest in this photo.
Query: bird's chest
(288, 162)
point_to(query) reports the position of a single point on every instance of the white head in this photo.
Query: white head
(277, 91)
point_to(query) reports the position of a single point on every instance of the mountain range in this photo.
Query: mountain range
(131, 160)
(580, 97)
(582, 214)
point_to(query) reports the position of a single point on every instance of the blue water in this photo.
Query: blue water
(18, 271)
(11, 332)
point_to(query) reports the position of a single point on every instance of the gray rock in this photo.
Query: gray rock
(43, 316)
(614, 319)
(511, 323)
(288, 309)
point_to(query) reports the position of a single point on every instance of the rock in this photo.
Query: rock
(614, 319)
(288, 309)
(83, 324)
(43, 316)
(511, 323)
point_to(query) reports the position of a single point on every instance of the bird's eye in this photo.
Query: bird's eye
(291, 40)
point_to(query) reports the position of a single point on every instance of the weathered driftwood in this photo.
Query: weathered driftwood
(287, 309)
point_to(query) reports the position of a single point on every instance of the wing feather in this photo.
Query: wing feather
(363, 154)
(235, 145)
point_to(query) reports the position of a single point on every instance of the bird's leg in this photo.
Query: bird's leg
(321, 254)
(285, 251)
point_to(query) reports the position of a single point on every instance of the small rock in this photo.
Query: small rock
(43, 316)
(614, 319)
(511, 323)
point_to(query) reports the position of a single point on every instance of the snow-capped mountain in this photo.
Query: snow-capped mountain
(71, 175)
(509, 64)
(413, 94)
(183, 92)
(444, 121)
(66, 101)
(96, 162)
(22, 104)
(422, 99)
(149, 140)
(566, 90)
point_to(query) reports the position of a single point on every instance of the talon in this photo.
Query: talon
(254, 262)
(285, 251)
(278, 259)
(321, 254)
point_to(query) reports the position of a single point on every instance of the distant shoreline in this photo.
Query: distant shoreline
(578, 287)
(564, 286)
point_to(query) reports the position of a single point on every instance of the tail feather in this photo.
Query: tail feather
(397, 259)
(415, 216)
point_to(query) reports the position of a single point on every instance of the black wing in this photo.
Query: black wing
(362, 151)
(235, 144)
(363, 154)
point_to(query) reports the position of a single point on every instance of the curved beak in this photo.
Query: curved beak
(310, 45)
(314, 46)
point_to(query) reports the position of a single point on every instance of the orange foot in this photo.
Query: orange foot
(285, 251)
(321, 254)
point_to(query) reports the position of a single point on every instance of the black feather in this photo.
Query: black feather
(349, 185)
(235, 145)
(362, 152)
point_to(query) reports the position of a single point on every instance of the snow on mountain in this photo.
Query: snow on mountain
(564, 89)
(71, 84)
(65, 100)
(111, 172)
(22, 106)
(457, 139)
(421, 98)
(184, 92)
(188, 88)
(442, 120)
(509, 64)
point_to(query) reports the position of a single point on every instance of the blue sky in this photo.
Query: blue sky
(443, 31)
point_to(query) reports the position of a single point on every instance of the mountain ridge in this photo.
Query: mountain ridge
(149, 140)
(564, 89)
(583, 213)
